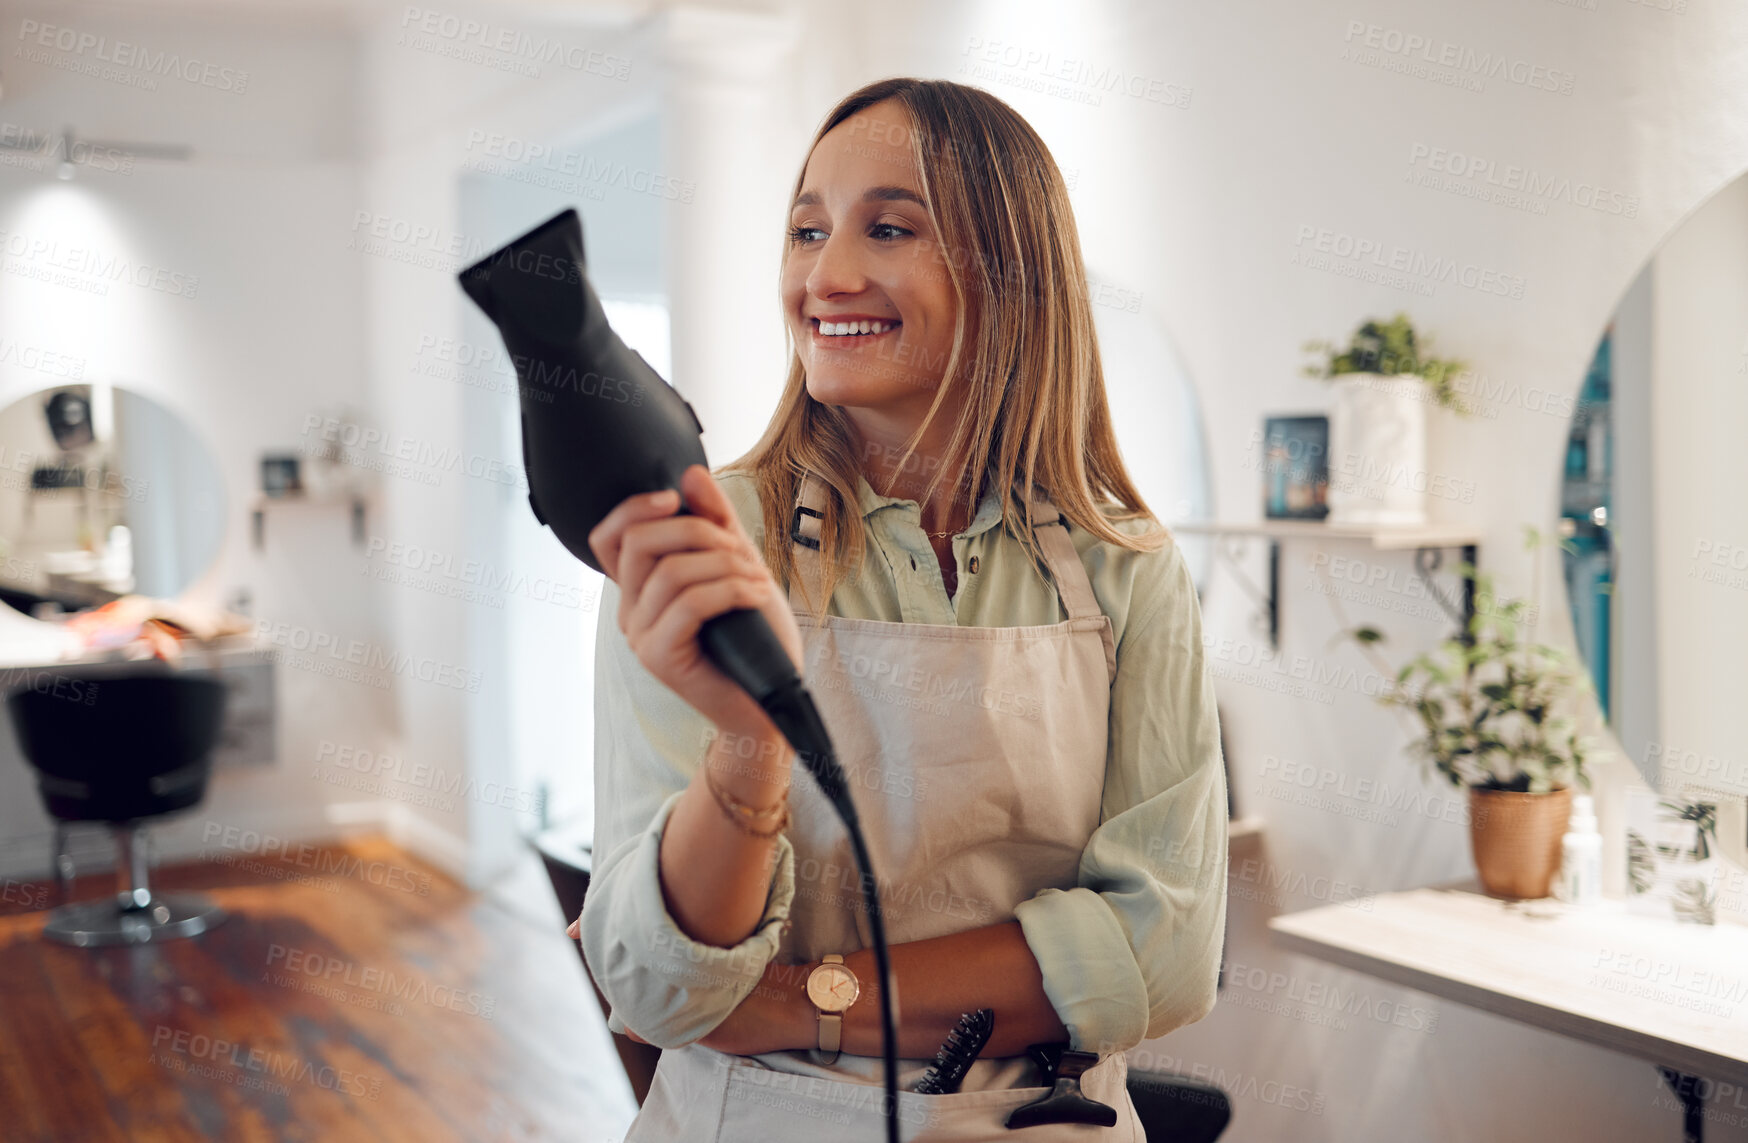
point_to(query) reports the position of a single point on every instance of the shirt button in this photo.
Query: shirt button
(973, 565)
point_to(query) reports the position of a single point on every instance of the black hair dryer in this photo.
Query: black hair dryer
(599, 425)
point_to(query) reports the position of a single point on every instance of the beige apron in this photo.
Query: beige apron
(976, 759)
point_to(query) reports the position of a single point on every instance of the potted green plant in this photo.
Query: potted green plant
(1492, 710)
(1377, 431)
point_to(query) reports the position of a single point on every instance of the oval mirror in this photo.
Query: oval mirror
(103, 493)
(1654, 507)
(1156, 413)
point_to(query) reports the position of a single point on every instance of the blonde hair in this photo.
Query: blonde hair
(1024, 353)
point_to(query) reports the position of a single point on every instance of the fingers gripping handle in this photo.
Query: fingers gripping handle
(742, 646)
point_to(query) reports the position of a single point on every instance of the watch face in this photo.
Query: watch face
(832, 987)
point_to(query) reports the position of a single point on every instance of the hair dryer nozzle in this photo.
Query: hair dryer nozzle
(598, 424)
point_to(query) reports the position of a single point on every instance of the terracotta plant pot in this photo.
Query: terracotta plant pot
(1516, 838)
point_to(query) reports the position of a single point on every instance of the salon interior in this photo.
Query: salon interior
(1425, 333)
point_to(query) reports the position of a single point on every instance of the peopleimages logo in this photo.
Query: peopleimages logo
(327, 971)
(260, 1063)
(1405, 261)
(511, 49)
(426, 776)
(1373, 43)
(367, 657)
(37, 359)
(124, 58)
(87, 268)
(584, 167)
(1527, 181)
(305, 855)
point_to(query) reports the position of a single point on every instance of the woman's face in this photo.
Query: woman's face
(864, 257)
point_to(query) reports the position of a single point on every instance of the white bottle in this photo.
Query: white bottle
(1581, 856)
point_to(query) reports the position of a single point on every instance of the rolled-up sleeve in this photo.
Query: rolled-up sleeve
(1133, 951)
(659, 982)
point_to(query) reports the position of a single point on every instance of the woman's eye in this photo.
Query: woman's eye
(880, 231)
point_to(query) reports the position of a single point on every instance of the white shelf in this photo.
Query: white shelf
(1381, 537)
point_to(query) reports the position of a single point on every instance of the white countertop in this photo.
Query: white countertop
(1672, 993)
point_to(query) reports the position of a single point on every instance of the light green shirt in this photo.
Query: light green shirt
(1130, 954)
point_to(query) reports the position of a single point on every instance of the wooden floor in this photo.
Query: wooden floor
(359, 996)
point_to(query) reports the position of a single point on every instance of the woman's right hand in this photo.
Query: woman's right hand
(676, 572)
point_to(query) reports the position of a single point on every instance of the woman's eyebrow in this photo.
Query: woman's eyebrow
(872, 194)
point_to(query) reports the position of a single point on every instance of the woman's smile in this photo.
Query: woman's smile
(850, 331)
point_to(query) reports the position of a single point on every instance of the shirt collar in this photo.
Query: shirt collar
(988, 512)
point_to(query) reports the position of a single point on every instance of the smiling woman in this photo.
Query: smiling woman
(1003, 640)
(933, 208)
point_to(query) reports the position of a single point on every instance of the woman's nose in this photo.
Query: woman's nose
(836, 269)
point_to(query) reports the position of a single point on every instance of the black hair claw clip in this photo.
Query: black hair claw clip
(1065, 1103)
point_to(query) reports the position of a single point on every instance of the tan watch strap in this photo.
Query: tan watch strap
(831, 1028)
(831, 1024)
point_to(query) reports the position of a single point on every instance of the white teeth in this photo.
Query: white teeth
(851, 328)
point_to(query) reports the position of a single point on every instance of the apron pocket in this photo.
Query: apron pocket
(764, 1104)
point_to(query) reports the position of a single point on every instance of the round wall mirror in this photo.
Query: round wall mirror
(1156, 413)
(1654, 508)
(103, 493)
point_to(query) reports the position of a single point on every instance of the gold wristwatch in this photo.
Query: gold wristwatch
(832, 988)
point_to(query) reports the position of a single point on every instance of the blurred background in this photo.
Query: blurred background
(229, 229)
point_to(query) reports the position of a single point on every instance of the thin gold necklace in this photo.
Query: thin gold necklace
(951, 531)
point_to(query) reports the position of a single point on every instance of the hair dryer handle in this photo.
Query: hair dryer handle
(743, 647)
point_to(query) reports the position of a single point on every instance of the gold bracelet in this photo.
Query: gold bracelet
(743, 815)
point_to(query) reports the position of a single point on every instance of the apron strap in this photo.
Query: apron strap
(805, 523)
(1066, 570)
(1050, 526)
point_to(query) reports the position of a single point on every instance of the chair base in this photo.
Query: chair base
(168, 917)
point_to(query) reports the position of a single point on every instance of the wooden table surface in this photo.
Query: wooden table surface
(1672, 993)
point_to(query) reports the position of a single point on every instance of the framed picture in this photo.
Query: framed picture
(281, 475)
(1672, 863)
(1295, 467)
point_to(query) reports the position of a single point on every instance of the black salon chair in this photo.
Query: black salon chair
(1178, 1109)
(119, 750)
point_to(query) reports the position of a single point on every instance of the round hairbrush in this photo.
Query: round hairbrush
(954, 1059)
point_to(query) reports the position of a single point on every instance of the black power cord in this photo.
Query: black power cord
(791, 709)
